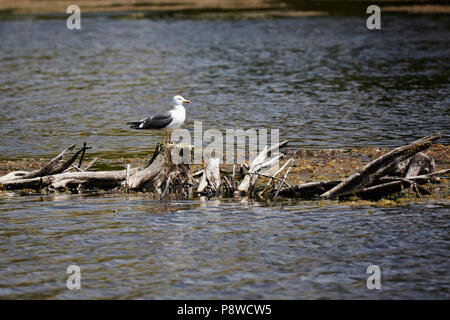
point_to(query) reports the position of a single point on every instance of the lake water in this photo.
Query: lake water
(324, 82)
(137, 248)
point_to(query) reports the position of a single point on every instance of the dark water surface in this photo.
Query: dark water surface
(323, 81)
(137, 248)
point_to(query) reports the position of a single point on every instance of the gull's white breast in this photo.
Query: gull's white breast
(178, 117)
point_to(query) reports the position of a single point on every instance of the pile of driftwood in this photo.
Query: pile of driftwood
(402, 168)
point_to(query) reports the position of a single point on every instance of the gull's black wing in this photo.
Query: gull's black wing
(158, 121)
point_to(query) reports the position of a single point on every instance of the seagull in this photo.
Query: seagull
(167, 121)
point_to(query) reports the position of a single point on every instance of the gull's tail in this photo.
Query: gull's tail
(135, 124)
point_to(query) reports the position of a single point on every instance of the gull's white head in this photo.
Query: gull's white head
(179, 100)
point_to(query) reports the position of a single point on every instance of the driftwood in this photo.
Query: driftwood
(273, 178)
(70, 180)
(380, 190)
(422, 179)
(388, 185)
(281, 184)
(259, 165)
(308, 190)
(54, 166)
(395, 186)
(57, 164)
(211, 176)
(158, 176)
(379, 167)
(161, 173)
(15, 175)
(399, 170)
(425, 178)
(55, 175)
(414, 166)
(420, 164)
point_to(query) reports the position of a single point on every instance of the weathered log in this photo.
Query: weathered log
(379, 167)
(55, 166)
(211, 176)
(314, 189)
(15, 175)
(385, 189)
(161, 168)
(258, 165)
(407, 183)
(420, 164)
(400, 168)
(71, 180)
(308, 190)
(380, 191)
(425, 178)
(33, 183)
(414, 166)
(422, 179)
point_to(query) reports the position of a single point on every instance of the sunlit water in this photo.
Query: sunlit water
(138, 248)
(323, 81)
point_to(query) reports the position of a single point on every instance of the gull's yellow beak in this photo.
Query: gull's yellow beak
(186, 101)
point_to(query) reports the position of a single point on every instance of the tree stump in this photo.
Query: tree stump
(161, 173)
(210, 177)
